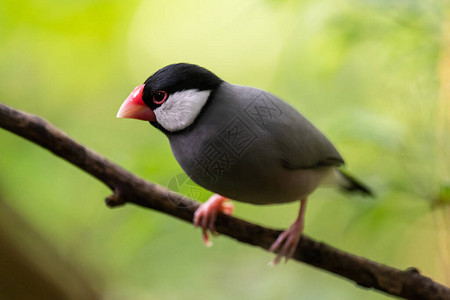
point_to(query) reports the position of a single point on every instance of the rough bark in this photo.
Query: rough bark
(129, 188)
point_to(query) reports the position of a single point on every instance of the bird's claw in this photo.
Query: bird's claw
(206, 215)
(286, 244)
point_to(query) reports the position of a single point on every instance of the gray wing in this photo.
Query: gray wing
(300, 144)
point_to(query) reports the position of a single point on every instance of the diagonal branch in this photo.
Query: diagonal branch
(129, 188)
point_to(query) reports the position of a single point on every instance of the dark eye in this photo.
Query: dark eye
(159, 97)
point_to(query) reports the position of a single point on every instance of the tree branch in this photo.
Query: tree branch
(129, 188)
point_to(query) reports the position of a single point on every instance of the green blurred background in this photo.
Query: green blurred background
(373, 75)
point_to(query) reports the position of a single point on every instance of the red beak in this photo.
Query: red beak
(134, 107)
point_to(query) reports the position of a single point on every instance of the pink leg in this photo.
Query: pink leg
(287, 241)
(205, 216)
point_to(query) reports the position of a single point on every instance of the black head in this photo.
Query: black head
(175, 78)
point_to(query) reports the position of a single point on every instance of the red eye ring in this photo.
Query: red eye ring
(159, 97)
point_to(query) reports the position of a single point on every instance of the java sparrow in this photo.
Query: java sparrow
(240, 142)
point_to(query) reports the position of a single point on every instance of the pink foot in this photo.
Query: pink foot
(286, 243)
(205, 216)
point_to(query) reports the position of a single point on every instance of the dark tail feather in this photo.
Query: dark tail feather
(351, 184)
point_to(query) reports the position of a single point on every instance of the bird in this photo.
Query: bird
(239, 142)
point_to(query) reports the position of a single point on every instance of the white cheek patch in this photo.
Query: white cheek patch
(181, 109)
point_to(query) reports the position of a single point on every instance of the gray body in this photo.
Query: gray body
(250, 146)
